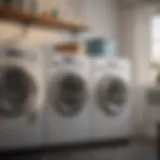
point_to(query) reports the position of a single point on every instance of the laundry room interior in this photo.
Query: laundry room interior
(80, 79)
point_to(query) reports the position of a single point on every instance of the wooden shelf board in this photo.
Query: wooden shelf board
(11, 13)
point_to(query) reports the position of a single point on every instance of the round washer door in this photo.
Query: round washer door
(112, 95)
(16, 89)
(70, 93)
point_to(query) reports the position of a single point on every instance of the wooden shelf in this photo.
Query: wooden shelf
(10, 13)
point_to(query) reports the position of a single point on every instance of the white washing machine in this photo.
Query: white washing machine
(21, 98)
(67, 115)
(111, 118)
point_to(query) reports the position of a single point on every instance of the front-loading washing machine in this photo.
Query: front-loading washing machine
(67, 114)
(111, 118)
(21, 97)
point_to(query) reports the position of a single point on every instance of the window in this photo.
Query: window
(155, 50)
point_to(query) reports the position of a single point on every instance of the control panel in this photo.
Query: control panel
(13, 53)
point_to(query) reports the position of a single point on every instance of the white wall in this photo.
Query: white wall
(135, 23)
(101, 16)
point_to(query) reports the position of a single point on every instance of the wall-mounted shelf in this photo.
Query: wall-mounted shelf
(10, 13)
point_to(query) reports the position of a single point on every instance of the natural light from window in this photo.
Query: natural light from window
(156, 39)
(155, 52)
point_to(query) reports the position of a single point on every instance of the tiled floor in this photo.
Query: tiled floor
(136, 151)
